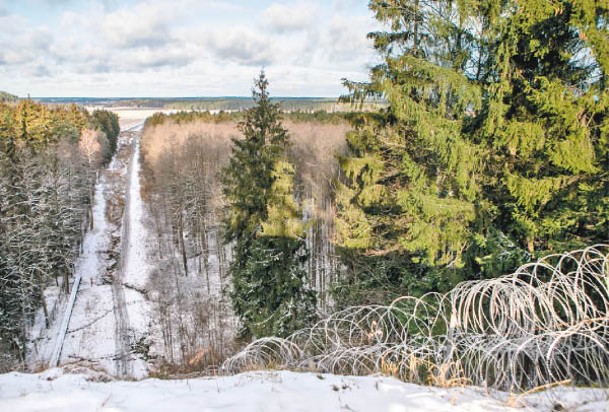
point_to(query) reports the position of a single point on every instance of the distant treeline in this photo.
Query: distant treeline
(183, 117)
(7, 97)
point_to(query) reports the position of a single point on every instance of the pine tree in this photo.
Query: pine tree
(41, 211)
(263, 226)
(107, 122)
(7, 97)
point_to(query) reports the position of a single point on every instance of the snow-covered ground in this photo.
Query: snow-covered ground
(130, 116)
(86, 337)
(268, 391)
(110, 314)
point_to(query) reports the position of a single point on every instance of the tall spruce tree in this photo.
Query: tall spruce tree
(268, 293)
(545, 120)
(493, 148)
(411, 182)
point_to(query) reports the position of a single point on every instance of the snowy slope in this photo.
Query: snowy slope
(264, 391)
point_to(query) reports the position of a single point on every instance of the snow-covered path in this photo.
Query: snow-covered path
(132, 276)
(86, 338)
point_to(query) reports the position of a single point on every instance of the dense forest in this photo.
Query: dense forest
(186, 158)
(48, 162)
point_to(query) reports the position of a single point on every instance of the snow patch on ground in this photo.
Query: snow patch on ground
(264, 391)
(92, 314)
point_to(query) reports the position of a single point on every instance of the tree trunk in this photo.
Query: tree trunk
(44, 308)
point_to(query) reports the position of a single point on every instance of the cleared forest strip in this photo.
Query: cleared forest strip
(132, 268)
(86, 333)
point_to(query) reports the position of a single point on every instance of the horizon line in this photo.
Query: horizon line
(175, 97)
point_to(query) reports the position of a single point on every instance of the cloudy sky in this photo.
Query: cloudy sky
(182, 47)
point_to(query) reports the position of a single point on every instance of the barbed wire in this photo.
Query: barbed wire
(547, 322)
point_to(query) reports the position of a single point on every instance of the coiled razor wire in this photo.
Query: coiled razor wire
(548, 322)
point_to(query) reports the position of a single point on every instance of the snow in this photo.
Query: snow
(92, 330)
(135, 262)
(91, 305)
(282, 391)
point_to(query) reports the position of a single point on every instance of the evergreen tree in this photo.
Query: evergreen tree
(42, 187)
(546, 123)
(7, 97)
(249, 176)
(263, 226)
(493, 147)
(412, 182)
(108, 123)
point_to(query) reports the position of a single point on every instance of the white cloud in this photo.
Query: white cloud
(147, 59)
(182, 47)
(26, 47)
(342, 36)
(146, 24)
(41, 70)
(241, 45)
(282, 17)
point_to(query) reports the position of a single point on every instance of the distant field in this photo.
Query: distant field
(135, 110)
